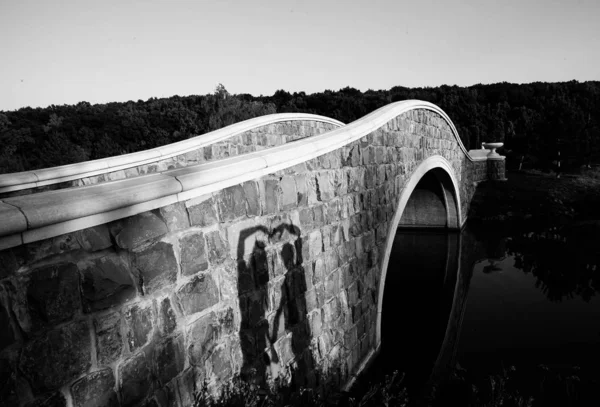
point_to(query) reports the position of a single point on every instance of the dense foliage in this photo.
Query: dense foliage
(57, 135)
(535, 120)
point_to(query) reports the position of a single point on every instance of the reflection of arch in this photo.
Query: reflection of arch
(420, 293)
(444, 173)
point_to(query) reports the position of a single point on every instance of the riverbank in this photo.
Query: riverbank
(533, 198)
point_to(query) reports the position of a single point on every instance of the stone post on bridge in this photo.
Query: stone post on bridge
(491, 164)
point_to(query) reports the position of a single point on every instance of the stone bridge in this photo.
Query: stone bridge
(258, 250)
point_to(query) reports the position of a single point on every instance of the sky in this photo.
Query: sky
(67, 51)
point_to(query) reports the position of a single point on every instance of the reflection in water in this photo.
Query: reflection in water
(418, 303)
(564, 262)
(532, 300)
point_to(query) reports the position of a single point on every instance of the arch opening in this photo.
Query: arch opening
(417, 302)
(432, 203)
(421, 266)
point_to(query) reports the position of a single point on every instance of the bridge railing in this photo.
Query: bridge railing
(247, 136)
(43, 215)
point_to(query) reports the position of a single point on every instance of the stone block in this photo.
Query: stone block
(167, 319)
(306, 217)
(381, 175)
(333, 211)
(156, 267)
(354, 156)
(252, 198)
(319, 271)
(221, 363)
(353, 293)
(135, 230)
(202, 339)
(336, 235)
(356, 179)
(203, 214)
(301, 190)
(94, 238)
(319, 215)
(289, 195)
(109, 342)
(135, 380)
(310, 299)
(331, 311)
(66, 355)
(217, 247)
(380, 154)
(325, 188)
(241, 237)
(370, 176)
(193, 254)
(315, 244)
(231, 203)
(326, 234)
(332, 285)
(95, 390)
(284, 349)
(168, 359)
(355, 228)
(139, 326)
(105, 282)
(52, 295)
(49, 247)
(198, 294)
(270, 192)
(313, 193)
(316, 323)
(175, 216)
(229, 322)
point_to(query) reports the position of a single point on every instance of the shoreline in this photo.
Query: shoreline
(533, 200)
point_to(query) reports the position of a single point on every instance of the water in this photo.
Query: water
(533, 300)
(487, 301)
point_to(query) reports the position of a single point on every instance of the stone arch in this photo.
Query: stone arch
(438, 169)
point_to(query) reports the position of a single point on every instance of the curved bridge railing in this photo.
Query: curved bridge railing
(246, 136)
(47, 214)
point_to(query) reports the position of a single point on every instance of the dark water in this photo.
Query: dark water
(486, 300)
(533, 300)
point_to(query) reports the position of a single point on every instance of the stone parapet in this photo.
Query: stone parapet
(496, 169)
(240, 138)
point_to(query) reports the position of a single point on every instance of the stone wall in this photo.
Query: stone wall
(257, 139)
(273, 276)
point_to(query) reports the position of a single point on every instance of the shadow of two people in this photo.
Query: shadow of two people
(260, 358)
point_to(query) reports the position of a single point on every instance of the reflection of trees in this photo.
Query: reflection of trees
(565, 262)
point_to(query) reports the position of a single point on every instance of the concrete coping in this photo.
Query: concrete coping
(484, 155)
(43, 215)
(47, 176)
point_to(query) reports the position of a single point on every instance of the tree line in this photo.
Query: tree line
(535, 121)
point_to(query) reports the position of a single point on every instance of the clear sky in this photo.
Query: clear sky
(67, 51)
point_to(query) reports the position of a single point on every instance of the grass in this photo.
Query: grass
(507, 388)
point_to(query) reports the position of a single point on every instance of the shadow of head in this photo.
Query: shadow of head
(291, 254)
(288, 255)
